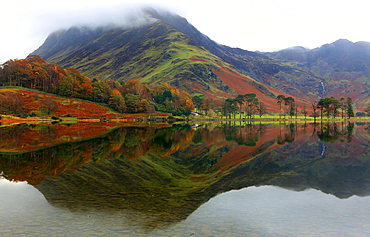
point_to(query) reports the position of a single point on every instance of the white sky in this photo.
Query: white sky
(264, 25)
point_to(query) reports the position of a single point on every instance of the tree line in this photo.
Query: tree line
(250, 105)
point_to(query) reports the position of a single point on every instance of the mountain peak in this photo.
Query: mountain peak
(343, 42)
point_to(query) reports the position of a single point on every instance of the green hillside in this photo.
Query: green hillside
(167, 48)
(154, 53)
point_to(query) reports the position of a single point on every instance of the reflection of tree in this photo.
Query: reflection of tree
(244, 135)
(198, 137)
(131, 143)
(329, 132)
(289, 134)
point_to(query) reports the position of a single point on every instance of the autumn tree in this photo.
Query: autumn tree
(133, 86)
(143, 105)
(132, 103)
(207, 105)
(187, 104)
(11, 102)
(101, 91)
(117, 102)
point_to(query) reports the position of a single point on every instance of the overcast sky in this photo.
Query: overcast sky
(264, 25)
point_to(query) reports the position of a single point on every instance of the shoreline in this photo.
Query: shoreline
(13, 120)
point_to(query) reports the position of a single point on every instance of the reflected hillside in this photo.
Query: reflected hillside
(35, 165)
(334, 160)
(27, 137)
(169, 172)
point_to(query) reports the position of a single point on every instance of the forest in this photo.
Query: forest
(124, 97)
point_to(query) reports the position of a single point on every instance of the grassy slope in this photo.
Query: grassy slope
(75, 108)
(158, 53)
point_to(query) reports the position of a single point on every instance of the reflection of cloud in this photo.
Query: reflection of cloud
(5, 182)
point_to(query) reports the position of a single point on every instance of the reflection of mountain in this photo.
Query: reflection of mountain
(342, 170)
(52, 156)
(25, 137)
(170, 172)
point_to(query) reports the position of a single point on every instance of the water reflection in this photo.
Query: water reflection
(167, 173)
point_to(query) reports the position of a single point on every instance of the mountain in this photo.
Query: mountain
(167, 48)
(343, 66)
(154, 52)
(339, 69)
(170, 172)
(274, 73)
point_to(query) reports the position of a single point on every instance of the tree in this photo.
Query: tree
(150, 109)
(289, 101)
(117, 102)
(101, 91)
(229, 107)
(304, 111)
(349, 108)
(48, 105)
(335, 106)
(314, 107)
(143, 105)
(197, 102)
(187, 104)
(207, 105)
(367, 110)
(66, 86)
(261, 108)
(280, 99)
(251, 103)
(132, 103)
(343, 106)
(321, 105)
(296, 110)
(12, 102)
(167, 102)
(240, 99)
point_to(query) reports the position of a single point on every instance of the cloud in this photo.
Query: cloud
(264, 25)
(26, 24)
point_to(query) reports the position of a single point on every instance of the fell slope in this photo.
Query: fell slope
(153, 53)
(343, 66)
(32, 102)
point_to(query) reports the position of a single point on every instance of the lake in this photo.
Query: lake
(207, 179)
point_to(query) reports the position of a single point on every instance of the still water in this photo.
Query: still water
(185, 180)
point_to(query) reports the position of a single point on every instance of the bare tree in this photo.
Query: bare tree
(48, 105)
(304, 110)
(261, 109)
